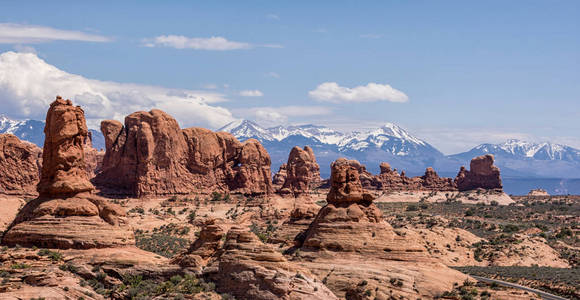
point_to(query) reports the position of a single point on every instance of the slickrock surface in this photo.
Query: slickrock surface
(209, 242)
(249, 269)
(19, 165)
(67, 215)
(349, 242)
(280, 176)
(151, 155)
(302, 171)
(482, 174)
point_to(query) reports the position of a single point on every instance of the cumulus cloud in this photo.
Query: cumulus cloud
(31, 34)
(28, 84)
(251, 93)
(332, 92)
(268, 115)
(182, 42)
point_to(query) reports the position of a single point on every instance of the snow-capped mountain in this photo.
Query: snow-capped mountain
(528, 159)
(517, 149)
(389, 137)
(28, 130)
(246, 129)
(33, 131)
(387, 143)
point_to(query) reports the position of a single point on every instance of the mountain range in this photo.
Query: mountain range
(395, 145)
(389, 143)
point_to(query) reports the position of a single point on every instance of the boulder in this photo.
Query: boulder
(482, 175)
(302, 171)
(151, 155)
(22, 156)
(66, 215)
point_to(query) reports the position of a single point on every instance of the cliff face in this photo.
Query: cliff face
(20, 164)
(151, 155)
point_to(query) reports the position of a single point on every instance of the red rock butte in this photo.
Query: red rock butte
(482, 174)
(151, 155)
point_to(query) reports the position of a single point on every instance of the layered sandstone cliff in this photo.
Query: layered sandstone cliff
(66, 214)
(151, 155)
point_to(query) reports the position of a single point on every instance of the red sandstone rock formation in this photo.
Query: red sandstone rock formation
(63, 168)
(19, 165)
(345, 183)
(93, 157)
(302, 171)
(349, 241)
(67, 215)
(482, 175)
(280, 176)
(431, 181)
(151, 155)
(249, 269)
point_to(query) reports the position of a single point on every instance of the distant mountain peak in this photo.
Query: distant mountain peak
(514, 148)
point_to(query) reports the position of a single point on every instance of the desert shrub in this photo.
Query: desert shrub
(216, 196)
(53, 255)
(412, 207)
(161, 243)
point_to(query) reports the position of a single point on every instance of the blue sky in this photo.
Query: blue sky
(455, 73)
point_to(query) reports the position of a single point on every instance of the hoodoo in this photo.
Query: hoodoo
(302, 171)
(66, 214)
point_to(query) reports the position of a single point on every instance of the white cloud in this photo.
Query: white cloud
(251, 93)
(332, 92)
(30, 34)
(216, 43)
(28, 85)
(273, 75)
(269, 116)
(182, 42)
